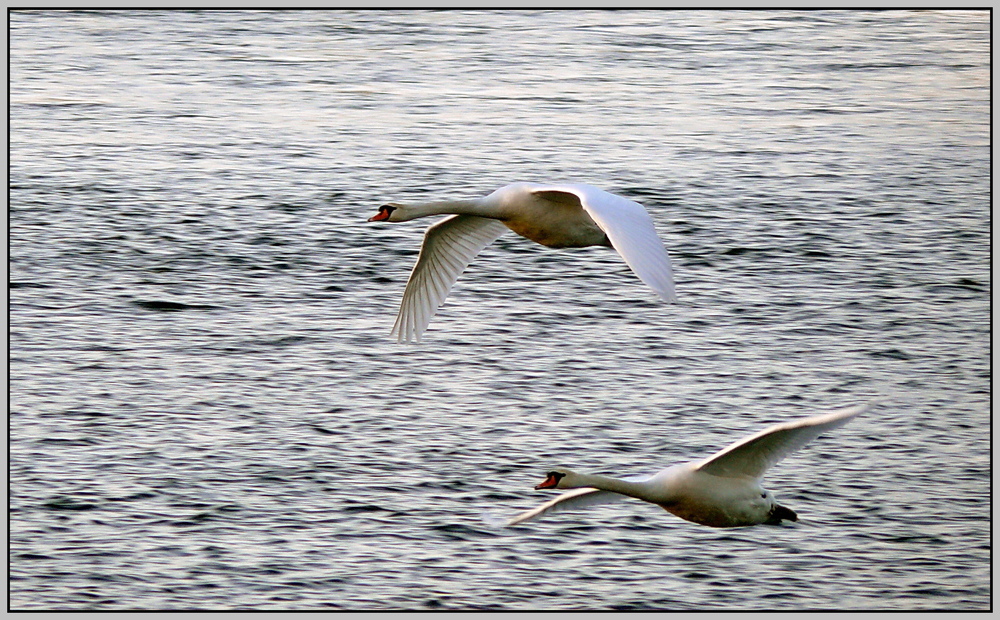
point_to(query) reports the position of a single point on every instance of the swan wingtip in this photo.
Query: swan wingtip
(512, 522)
(494, 520)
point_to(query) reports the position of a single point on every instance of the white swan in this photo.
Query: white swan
(558, 216)
(721, 491)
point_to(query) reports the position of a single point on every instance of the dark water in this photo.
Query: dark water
(206, 408)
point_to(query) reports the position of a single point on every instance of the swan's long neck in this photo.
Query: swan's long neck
(639, 490)
(446, 207)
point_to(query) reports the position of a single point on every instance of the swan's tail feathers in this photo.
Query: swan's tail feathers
(779, 514)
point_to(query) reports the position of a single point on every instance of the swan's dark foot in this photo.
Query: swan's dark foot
(779, 514)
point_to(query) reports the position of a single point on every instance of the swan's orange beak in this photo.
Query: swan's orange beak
(383, 214)
(549, 483)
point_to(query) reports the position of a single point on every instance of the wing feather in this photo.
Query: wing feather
(752, 456)
(574, 498)
(448, 248)
(630, 230)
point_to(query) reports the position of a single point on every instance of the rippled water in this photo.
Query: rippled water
(206, 408)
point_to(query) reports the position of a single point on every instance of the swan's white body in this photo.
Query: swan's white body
(721, 491)
(557, 216)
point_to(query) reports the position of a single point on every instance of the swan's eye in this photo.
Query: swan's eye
(763, 495)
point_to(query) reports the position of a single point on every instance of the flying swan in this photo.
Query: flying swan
(557, 216)
(721, 491)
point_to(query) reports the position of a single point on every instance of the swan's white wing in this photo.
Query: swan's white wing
(448, 248)
(631, 231)
(574, 498)
(751, 457)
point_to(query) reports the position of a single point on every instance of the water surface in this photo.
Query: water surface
(206, 408)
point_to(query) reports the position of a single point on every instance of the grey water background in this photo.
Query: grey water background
(206, 408)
